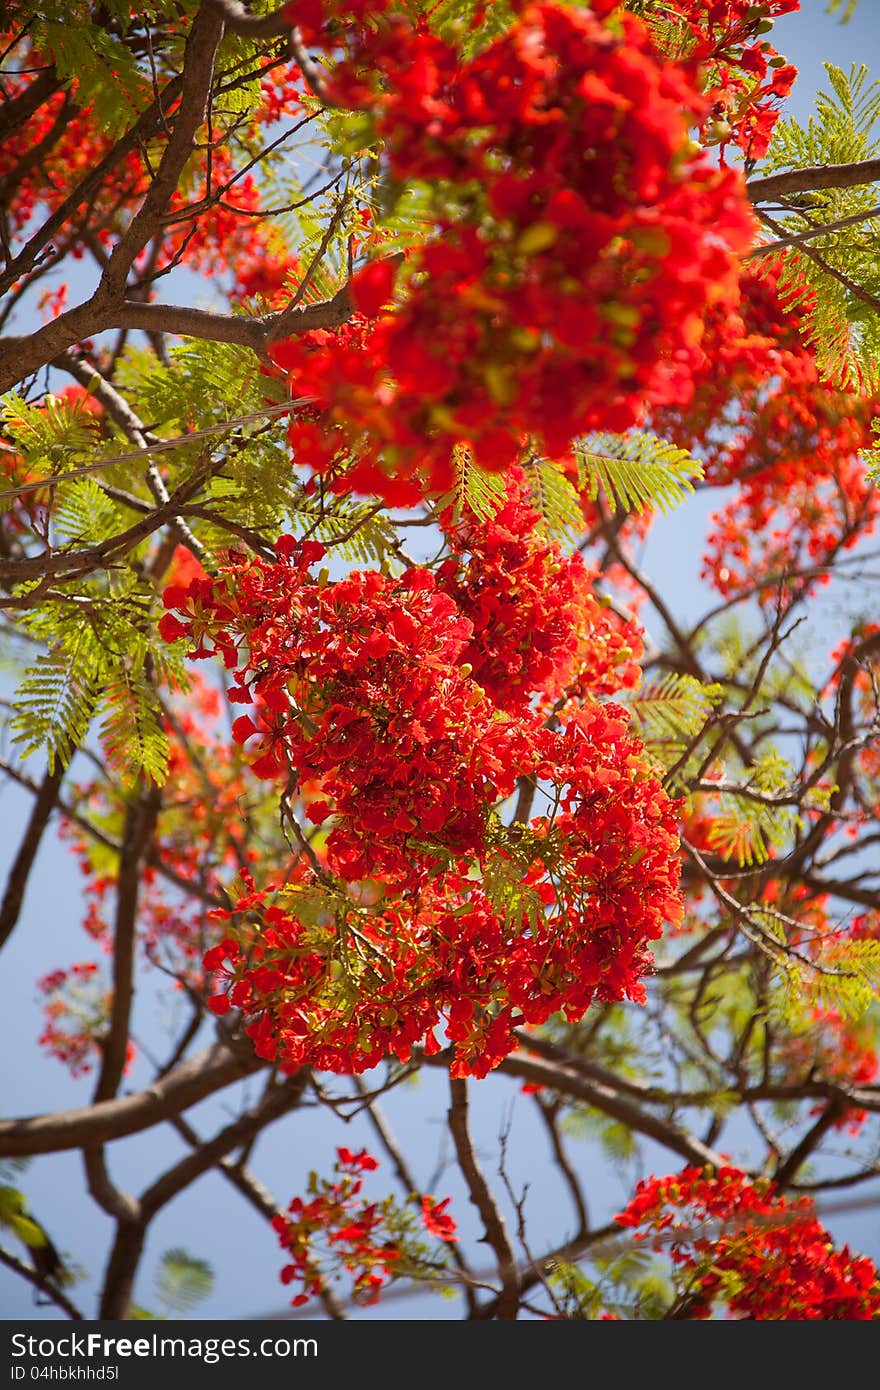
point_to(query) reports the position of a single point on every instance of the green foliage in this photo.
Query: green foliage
(182, 1282)
(833, 277)
(557, 500)
(841, 975)
(97, 64)
(97, 662)
(52, 437)
(671, 713)
(516, 902)
(845, 8)
(480, 491)
(15, 1217)
(357, 531)
(471, 24)
(635, 471)
(671, 32)
(629, 1282)
(744, 826)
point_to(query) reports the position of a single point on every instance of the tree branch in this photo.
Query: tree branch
(59, 1298)
(482, 1199)
(772, 187)
(16, 883)
(208, 1071)
(251, 26)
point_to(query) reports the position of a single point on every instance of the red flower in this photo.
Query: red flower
(436, 1219)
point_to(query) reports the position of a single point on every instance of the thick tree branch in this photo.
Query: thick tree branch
(140, 823)
(208, 1071)
(251, 26)
(22, 356)
(283, 1097)
(200, 52)
(79, 562)
(148, 124)
(604, 1098)
(772, 187)
(799, 1155)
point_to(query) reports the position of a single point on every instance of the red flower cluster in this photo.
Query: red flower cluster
(745, 77)
(76, 1012)
(763, 1255)
(581, 243)
(359, 686)
(339, 1230)
(537, 624)
(764, 418)
(360, 689)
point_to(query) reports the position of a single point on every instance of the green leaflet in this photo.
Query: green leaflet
(203, 383)
(51, 437)
(843, 976)
(636, 470)
(470, 24)
(96, 663)
(513, 900)
(182, 1282)
(744, 827)
(556, 498)
(84, 515)
(845, 8)
(482, 492)
(354, 530)
(670, 32)
(671, 712)
(104, 69)
(628, 1281)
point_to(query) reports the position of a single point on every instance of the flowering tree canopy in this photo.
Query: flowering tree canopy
(352, 351)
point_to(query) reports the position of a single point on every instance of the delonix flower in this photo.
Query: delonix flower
(539, 630)
(582, 237)
(337, 1229)
(741, 1244)
(745, 77)
(360, 688)
(764, 418)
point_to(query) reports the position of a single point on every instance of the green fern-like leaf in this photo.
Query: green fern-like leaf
(557, 500)
(636, 471)
(94, 664)
(56, 700)
(512, 899)
(103, 68)
(354, 530)
(51, 436)
(480, 491)
(183, 1281)
(84, 515)
(675, 707)
(132, 735)
(745, 828)
(470, 24)
(843, 977)
(833, 278)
